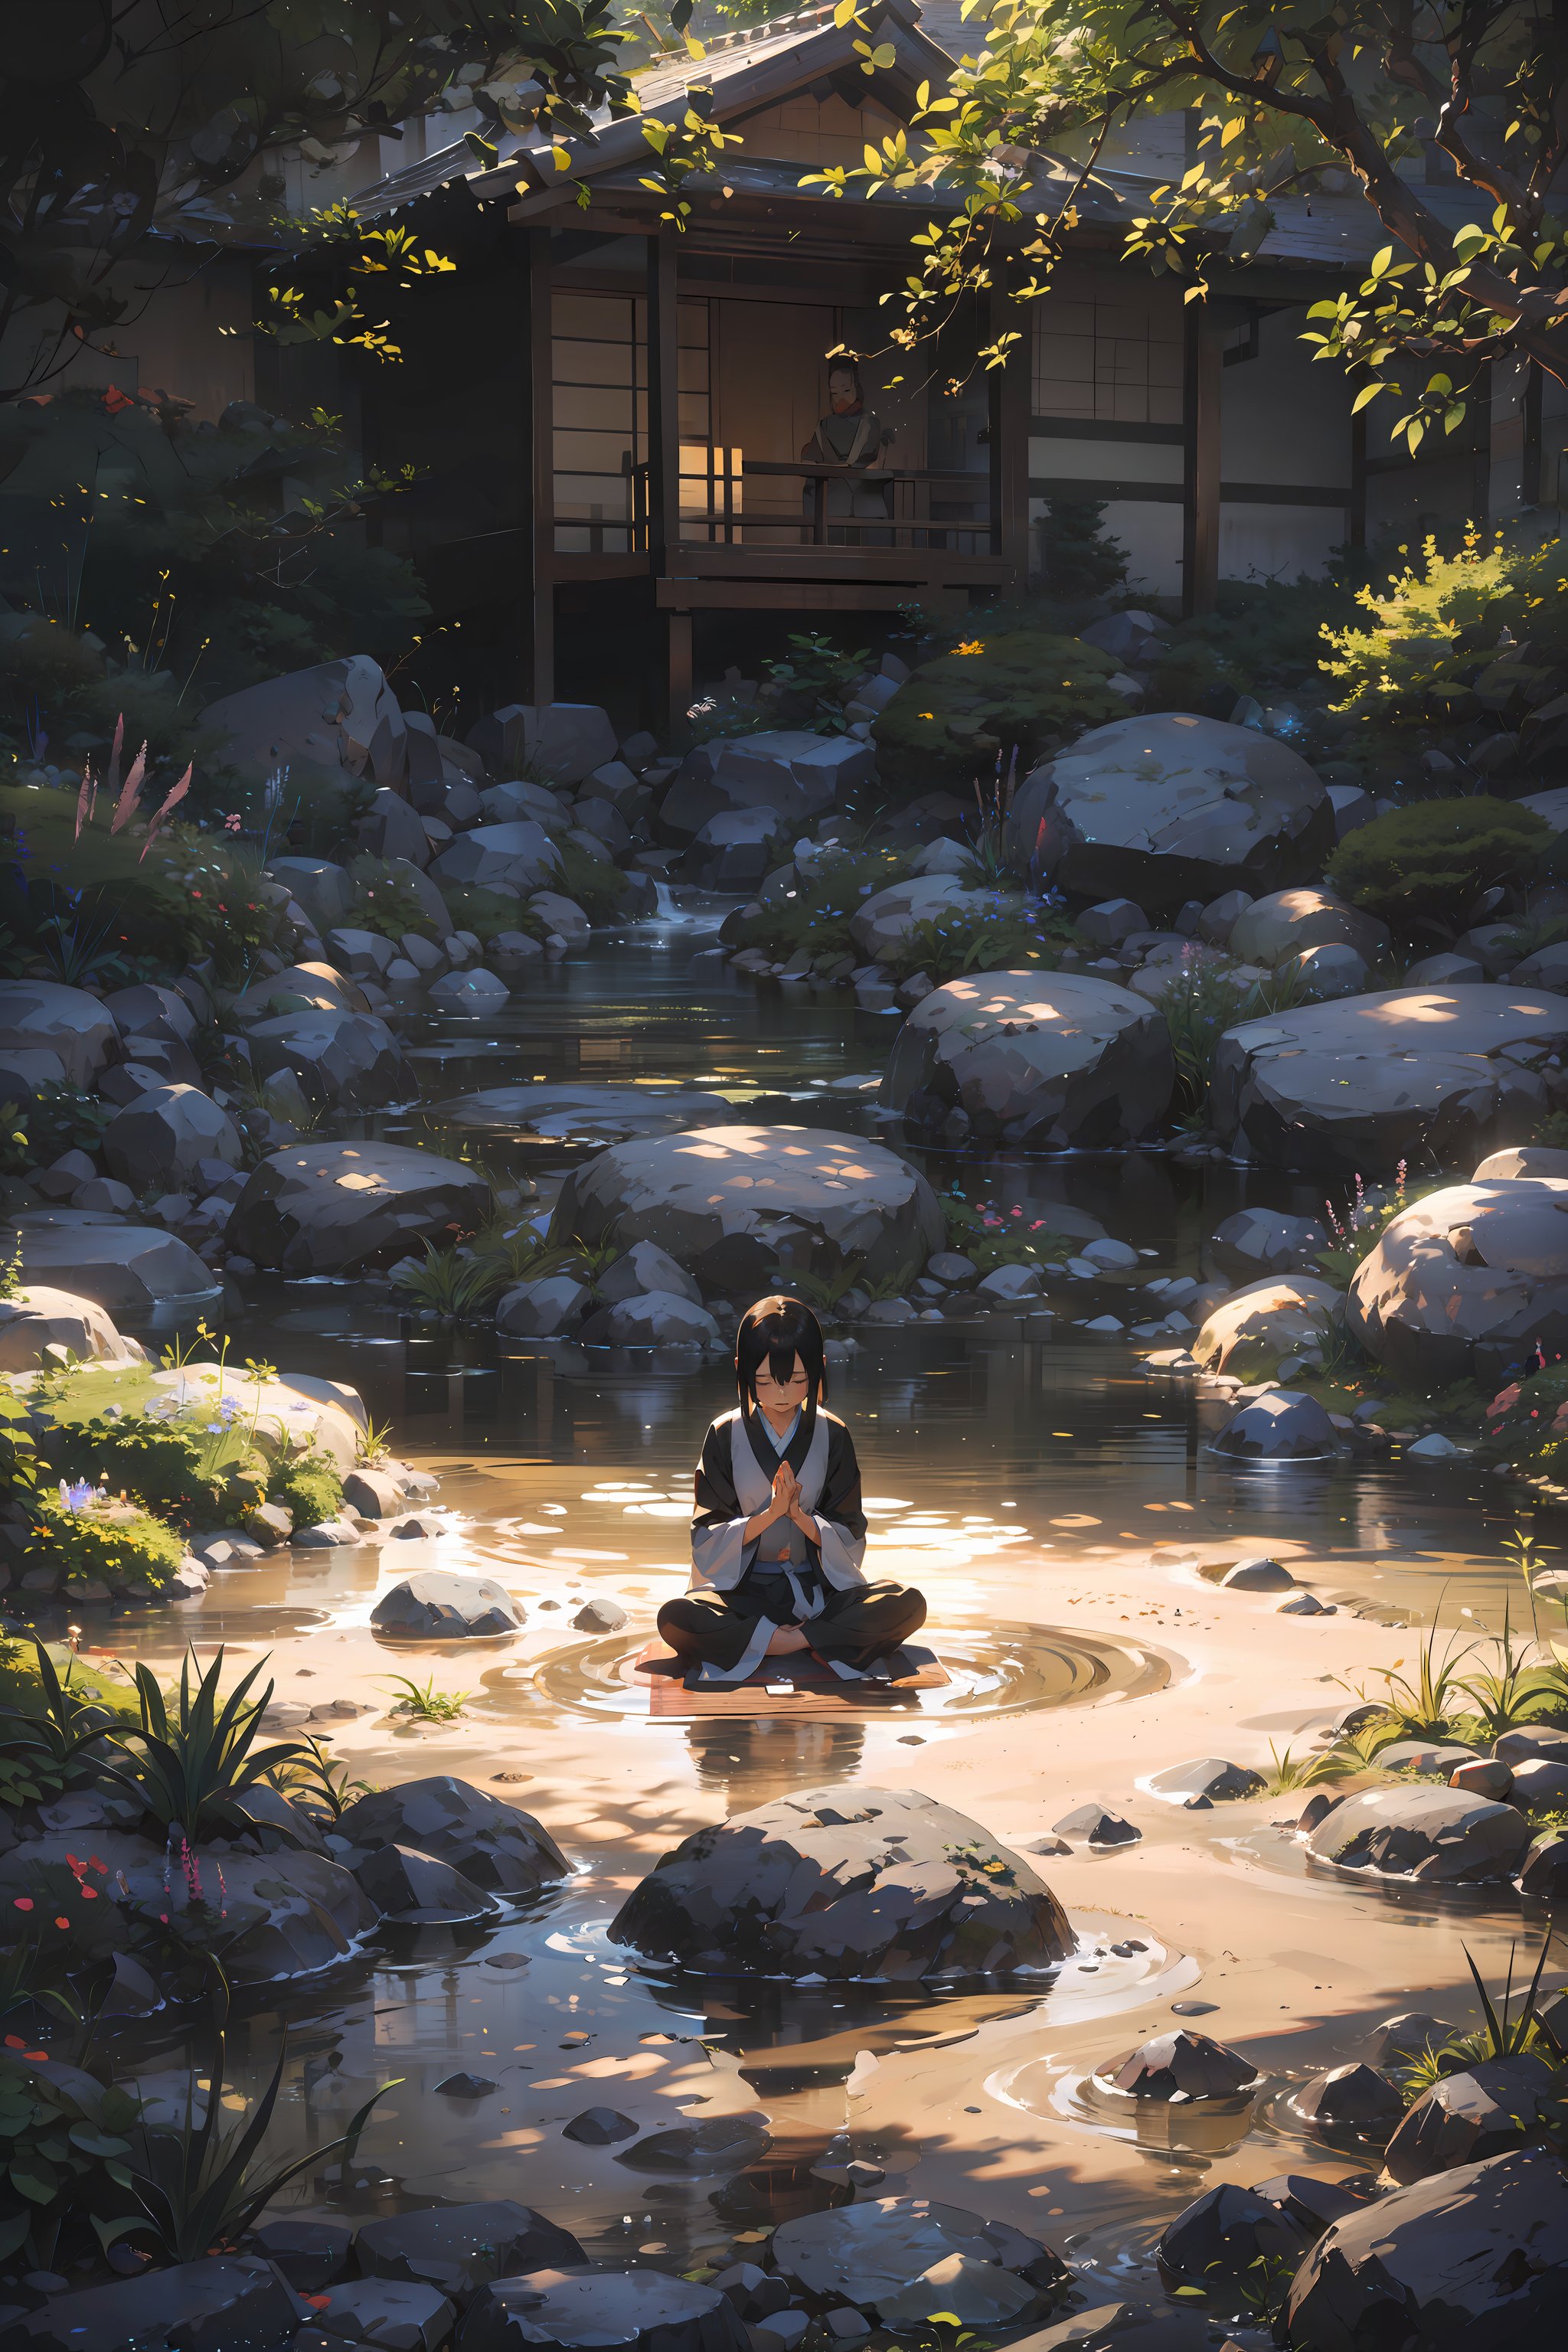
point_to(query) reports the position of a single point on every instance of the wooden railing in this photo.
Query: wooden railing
(714, 510)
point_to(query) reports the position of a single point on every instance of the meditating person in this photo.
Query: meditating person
(777, 1531)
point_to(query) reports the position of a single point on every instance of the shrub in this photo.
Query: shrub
(88, 1537)
(1025, 689)
(597, 887)
(487, 912)
(816, 914)
(1423, 867)
(1078, 555)
(1483, 629)
(180, 1468)
(1006, 936)
(1526, 1424)
(1264, 638)
(309, 1486)
(387, 902)
(807, 689)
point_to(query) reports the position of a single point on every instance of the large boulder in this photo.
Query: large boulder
(1255, 1329)
(1171, 807)
(846, 1883)
(521, 854)
(1470, 2261)
(299, 988)
(1285, 1425)
(131, 1270)
(36, 1320)
(1253, 1243)
(1435, 1076)
(734, 1205)
(1446, 1835)
(41, 1016)
(1287, 923)
(460, 2248)
(560, 742)
(633, 2310)
(796, 775)
(416, 1890)
(283, 1413)
(149, 1010)
(1463, 2118)
(317, 1208)
(1041, 1058)
(163, 1136)
(443, 1607)
(337, 715)
(882, 922)
(344, 1060)
(1466, 1283)
(895, 2256)
(497, 1845)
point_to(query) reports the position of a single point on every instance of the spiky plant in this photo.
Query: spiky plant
(195, 1762)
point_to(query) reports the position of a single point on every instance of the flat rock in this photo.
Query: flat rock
(588, 1114)
(661, 1318)
(725, 1202)
(1477, 2256)
(1171, 807)
(633, 2310)
(874, 2251)
(725, 2144)
(1208, 1780)
(460, 2248)
(1435, 1076)
(846, 1883)
(128, 1270)
(495, 1845)
(210, 2306)
(1442, 1834)
(446, 1608)
(311, 2253)
(387, 2314)
(1467, 1283)
(1256, 1243)
(1032, 1058)
(37, 1318)
(319, 1208)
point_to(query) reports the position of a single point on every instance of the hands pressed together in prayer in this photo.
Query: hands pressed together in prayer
(786, 1505)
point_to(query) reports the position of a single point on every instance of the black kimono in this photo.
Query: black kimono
(741, 1594)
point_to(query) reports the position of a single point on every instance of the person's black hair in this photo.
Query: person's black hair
(779, 1329)
(848, 368)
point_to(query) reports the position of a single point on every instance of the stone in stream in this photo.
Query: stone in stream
(68, 1025)
(467, 2086)
(1441, 1834)
(1095, 1824)
(846, 1883)
(1544, 1874)
(163, 1136)
(1258, 1576)
(212, 2304)
(124, 1269)
(731, 1204)
(599, 2128)
(1031, 1057)
(885, 2251)
(724, 2144)
(1463, 2118)
(1475, 2258)
(1435, 1076)
(1286, 1425)
(440, 1606)
(1226, 2233)
(319, 1208)
(1409, 2035)
(342, 1059)
(1179, 2066)
(540, 1309)
(460, 2248)
(1352, 2099)
(1209, 1781)
(495, 1845)
(1257, 1243)
(1171, 807)
(416, 1890)
(633, 2310)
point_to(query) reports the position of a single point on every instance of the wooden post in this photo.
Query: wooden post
(1012, 404)
(680, 670)
(1203, 376)
(541, 406)
(663, 403)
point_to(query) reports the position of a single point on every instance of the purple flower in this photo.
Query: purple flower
(77, 1496)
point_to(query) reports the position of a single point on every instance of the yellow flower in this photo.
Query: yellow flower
(974, 646)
